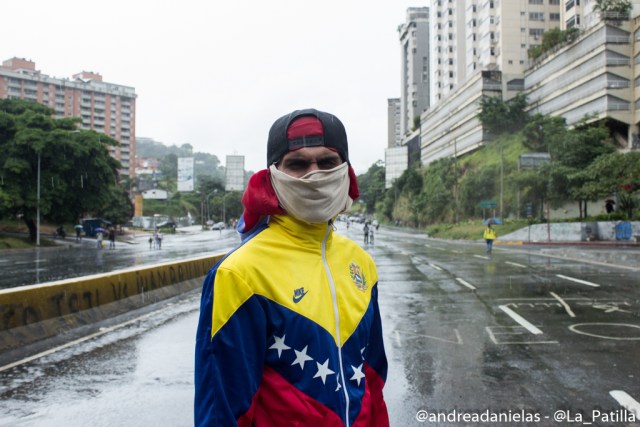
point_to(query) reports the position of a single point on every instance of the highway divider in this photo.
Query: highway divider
(29, 314)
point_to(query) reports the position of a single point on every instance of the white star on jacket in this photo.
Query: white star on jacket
(357, 374)
(301, 357)
(279, 345)
(323, 371)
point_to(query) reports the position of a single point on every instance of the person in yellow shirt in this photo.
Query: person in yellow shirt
(489, 236)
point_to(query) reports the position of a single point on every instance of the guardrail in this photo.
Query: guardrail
(29, 314)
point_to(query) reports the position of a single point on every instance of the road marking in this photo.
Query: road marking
(574, 328)
(626, 401)
(467, 284)
(516, 264)
(398, 338)
(521, 320)
(457, 341)
(72, 343)
(495, 340)
(573, 279)
(435, 267)
(481, 257)
(564, 304)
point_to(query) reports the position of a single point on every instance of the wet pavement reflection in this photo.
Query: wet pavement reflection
(520, 335)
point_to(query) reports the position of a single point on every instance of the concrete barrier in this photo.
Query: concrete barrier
(32, 313)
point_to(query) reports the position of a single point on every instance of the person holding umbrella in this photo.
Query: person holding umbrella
(78, 228)
(489, 235)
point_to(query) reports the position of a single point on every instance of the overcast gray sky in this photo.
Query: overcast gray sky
(216, 74)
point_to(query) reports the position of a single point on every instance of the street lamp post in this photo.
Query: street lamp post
(38, 206)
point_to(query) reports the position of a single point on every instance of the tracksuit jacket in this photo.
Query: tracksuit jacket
(290, 332)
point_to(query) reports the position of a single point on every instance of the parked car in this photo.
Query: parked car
(218, 226)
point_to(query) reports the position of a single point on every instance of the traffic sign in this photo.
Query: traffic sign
(488, 204)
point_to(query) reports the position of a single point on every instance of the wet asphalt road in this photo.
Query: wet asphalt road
(517, 335)
(72, 259)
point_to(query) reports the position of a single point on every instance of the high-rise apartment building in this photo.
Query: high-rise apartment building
(480, 48)
(416, 71)
(594, 77)
(394, 137)
(103, 107)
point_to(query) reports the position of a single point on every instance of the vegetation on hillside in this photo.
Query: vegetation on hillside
(584, 167)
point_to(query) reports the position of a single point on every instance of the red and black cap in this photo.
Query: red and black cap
(306, 128)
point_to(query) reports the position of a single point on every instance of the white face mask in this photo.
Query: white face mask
(315, 197)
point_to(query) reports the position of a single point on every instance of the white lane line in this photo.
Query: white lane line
(72, 343)
(481, 257)
(398, 339)
(435, 267)
(467, 284)
(626, 401)
(573, 279)
(515, 264)
(521, 320)
(564, 304)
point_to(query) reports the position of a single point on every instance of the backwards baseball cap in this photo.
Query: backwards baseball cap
(306, 128)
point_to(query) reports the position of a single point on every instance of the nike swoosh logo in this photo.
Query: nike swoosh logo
(297, 298)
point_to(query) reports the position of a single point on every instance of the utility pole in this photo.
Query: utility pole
(501, 179)
(38, 206)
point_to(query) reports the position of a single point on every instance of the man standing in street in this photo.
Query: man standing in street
(289, 330)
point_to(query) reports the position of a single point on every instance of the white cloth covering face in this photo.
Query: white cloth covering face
(315, 197)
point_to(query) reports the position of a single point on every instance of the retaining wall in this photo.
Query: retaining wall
(570, 232)
(32, 313)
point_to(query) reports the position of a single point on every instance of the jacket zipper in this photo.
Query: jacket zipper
(336, 315)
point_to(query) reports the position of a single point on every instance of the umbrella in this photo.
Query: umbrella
(99, 230)
(77, 226)
(492, 221)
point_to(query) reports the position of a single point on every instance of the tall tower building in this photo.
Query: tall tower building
(103, 107)
(480, 48)
(394, 137)
(416, 73)
(487, 35)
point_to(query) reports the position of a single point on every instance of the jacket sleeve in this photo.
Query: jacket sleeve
(229, 354)
(376, 372)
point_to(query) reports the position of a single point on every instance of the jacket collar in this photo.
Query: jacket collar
(307, 233)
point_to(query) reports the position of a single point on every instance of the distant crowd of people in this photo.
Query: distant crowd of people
(155, 241)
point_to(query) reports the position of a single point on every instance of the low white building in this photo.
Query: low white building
(155, 194)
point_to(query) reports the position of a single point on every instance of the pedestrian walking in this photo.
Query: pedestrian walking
(289, 330)
(112, 238)
(366, 233)
(159, 237)
(489, 236)
(99, 238)
(150, 242)
(78, 228)
(371, 235)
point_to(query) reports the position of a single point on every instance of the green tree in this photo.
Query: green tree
(571, 155)
(76, 170)
(617, 173)
(438, 191)
(371, 185)
(499, 116)
(542, 131)
(620, 6)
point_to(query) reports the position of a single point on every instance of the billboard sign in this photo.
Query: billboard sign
(234, 176)
(185, 174)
